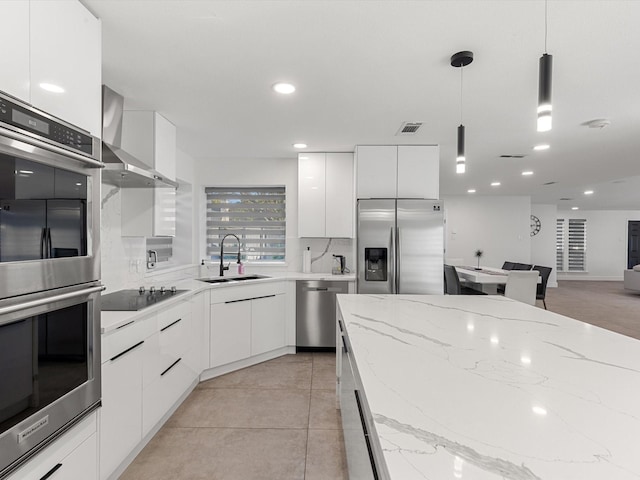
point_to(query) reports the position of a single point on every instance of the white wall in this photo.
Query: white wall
(499, 226)
(269, 172)
(543, 245)
(606, 243)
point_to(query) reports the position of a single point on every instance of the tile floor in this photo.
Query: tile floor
(276, 420)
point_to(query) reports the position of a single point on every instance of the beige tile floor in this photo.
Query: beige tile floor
(276, 420)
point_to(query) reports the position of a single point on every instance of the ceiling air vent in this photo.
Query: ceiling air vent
(515, 155)
(550, 183)
(565, 198)
(409, 128)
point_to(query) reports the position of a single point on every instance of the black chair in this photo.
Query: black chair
(451, 281)
(522, 266)
(542, 286)
(452, 284)
(508, 265)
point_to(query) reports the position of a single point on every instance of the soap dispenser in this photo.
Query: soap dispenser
(306, 261)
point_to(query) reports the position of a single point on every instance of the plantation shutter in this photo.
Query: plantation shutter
(577, 245)
(560, 245)
(255, 214)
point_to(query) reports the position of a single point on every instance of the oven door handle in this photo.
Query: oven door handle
(5, 132)
(44, 301)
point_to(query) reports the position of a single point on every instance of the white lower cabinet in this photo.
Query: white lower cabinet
(267, 324)
(73, 456)
(121, 414)
(247, 321)
(230, 332)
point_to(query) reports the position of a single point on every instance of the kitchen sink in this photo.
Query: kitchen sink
(232, 279)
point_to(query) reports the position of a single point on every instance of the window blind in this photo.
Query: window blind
(577, 245)
(257, 215)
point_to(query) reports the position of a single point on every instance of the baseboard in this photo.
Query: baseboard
(591, 278)
(247, 362)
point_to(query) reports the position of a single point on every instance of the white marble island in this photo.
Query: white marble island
(483, 387)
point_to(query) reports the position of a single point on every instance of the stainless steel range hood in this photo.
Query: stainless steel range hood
(121, 168)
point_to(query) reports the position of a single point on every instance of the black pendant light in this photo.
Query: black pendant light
(544, 84)
(459, 60)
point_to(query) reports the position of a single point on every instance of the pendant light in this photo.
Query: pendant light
(544, 83)
(459, 60)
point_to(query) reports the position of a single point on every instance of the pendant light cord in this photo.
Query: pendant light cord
(545, 26)
(461, 69)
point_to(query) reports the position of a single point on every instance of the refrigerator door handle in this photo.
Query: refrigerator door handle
(392, 261)
(49, 245)
(43, 241)
(398, 262)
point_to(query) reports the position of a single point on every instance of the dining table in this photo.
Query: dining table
(484, 279)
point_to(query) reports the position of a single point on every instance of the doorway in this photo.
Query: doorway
(633, 255)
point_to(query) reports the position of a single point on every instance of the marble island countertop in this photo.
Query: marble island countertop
(486, 388)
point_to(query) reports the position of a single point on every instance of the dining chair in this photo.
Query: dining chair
(451, 281)
(508, 265)
(522, 266)
(521, 286)
(542, 286)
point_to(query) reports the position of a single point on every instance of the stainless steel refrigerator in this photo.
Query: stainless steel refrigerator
(400, 246)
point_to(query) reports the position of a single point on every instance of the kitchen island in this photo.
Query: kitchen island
(485, 388)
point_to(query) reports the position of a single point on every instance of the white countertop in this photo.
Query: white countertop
(483, 387)
(111, 320)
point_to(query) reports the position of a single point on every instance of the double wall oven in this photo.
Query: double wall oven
(49, 279)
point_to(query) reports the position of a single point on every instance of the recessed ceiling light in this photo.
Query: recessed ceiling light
(471, 190)
(299, 145)
(50, 87)
(574, 208)
(495, 184)
(588, 192)
(527, 172)
(526, 360)
(543, 146)
(284, 88)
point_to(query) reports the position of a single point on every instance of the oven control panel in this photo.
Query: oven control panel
(40, 125)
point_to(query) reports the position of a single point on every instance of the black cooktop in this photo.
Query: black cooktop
(133, 300)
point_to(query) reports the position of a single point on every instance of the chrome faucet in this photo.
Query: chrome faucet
(222, 267)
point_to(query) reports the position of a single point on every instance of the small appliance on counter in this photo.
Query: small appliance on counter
(339, 265)
(134, 300)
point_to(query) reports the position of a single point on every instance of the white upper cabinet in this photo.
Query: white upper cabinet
(325, 195)
(14, 35)
(377, 168)
(398, 171)
(151, 138)
(311, 195)
(418, 171)
(65, 42)
(148, 212)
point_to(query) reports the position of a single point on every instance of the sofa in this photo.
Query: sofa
(632, 279)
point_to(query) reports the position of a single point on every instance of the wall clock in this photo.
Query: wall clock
(535, 225)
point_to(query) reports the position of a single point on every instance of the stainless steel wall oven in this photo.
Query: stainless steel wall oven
(49, 279)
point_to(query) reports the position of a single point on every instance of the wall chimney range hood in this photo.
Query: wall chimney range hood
(121, 168)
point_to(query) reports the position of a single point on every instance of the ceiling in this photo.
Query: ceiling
(361, 68)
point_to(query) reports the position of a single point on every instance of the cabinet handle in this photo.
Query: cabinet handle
(170, 325)
(126, 324)
(51, 472)
(366, 435)
(344, 344)
(171, 366)
(340, 325)
(252, 298)
(126, 351)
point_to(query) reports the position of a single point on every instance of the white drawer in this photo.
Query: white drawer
(174, 313)
(245, 292)
(126, 336)
(165, 347)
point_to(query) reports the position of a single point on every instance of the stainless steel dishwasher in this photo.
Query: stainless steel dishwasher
(316, 313)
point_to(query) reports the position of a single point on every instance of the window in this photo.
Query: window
(163, 246)
(255, 214)
(571, 245)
